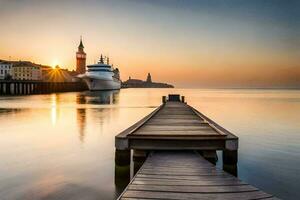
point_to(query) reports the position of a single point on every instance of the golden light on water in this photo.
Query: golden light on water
(53, 109)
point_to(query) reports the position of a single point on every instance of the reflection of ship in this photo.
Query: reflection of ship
(102, 76)
(99, 97)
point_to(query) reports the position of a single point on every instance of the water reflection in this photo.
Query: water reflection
(93, 97)
(54, 108)
(7, 111)
(81, 122)
(98, 97)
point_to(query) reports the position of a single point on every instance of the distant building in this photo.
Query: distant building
(136, 83)
(149, 79)
(24, 70)
(5, 69)
(80, 59)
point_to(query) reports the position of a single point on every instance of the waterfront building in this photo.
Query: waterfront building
(5, 69)
(80, 59)
(24, 70)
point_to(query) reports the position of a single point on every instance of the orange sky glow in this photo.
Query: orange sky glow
(188, 47)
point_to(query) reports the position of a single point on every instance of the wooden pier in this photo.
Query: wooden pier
(179, 145)
(38, 87)
(177, 126)
(184, 175)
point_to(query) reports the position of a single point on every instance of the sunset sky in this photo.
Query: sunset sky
(189, 43)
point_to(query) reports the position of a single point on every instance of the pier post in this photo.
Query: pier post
(122, 157)
(1, 88)
(182, 99)
(42, 87)
(23, 88)
(17, 91)
(28, 88)
(164, 99)
(122, 167)
(230, 157)
(8, 89)
(33, 88)
(39, 87)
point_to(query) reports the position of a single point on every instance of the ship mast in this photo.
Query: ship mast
(101, 59)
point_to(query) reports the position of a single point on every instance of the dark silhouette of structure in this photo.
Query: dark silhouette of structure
(149, 79)
(136, 83)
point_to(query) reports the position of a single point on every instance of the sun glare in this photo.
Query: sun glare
(55, 62)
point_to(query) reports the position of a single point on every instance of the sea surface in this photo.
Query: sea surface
(61, 146)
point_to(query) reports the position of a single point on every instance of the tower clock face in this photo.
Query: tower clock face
(80, 55)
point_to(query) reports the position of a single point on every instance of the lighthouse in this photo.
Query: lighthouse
(80, 59)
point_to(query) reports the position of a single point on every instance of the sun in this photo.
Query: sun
(55, 62)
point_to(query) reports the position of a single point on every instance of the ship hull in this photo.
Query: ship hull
(95, 84)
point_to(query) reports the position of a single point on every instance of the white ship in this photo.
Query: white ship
(102, 76)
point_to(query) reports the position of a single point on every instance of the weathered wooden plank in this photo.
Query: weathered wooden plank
(140, 181)
(184, 166)
(164, 116)
(157, 123)
(169, 143)
(184, 196)
(194, 189)
(175, 121)
(167, 166)
(205, 132)
(160, 172)
(180, 170)
(147, 127)
(183, 177)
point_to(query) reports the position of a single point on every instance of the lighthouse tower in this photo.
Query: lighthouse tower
(80, 59)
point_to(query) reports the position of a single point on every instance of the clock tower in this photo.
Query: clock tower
(80, 59)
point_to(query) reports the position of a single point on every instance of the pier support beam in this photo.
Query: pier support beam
(122, 157)
(122, 168)
(1, 88)
(28, 88)
(139, 157)
(23, 88)
(8, 89)
(17, 88)
(164, 99)
(209, 155)
(230, 153)
(230, 157)
(182, 99)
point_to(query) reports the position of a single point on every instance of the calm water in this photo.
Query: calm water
(61, 146)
